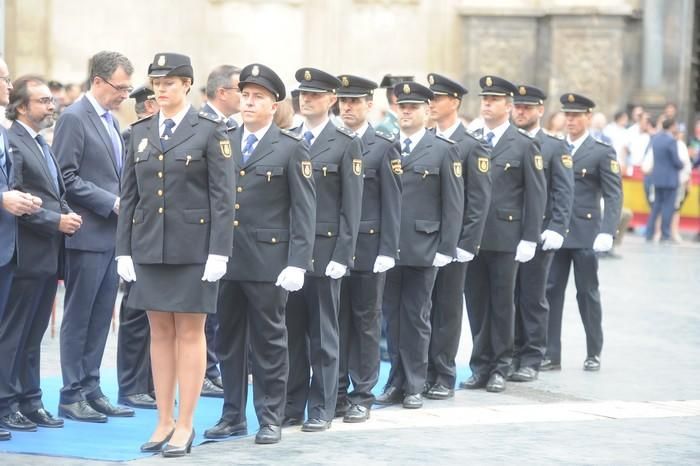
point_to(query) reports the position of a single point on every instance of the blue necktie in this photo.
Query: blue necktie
(248, 148)
(49, 160)
(571, 148)
(489, 138)
(406, 147)
(308, 136)
(167, 132)
(114, 137)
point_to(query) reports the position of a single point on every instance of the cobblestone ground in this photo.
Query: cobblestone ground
(643, 407)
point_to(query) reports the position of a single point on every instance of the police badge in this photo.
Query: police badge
(457, 169)
(306, 169)
(567, 161)
(539, 163)
(143, 144)
(225, 147)
(357, 166)
(396, 167)
(483, 164)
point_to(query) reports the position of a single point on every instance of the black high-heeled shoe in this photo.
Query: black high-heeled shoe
(153, 447)
(170, 451)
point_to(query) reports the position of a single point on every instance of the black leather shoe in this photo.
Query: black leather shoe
(211, 390)
(474, 382)
(342, 407)
(391, 396)
(356, 413)
(268, 434)
(43, 418)
(154, 447)
(80, 411)
(225, 429)
(5, 435)
(217, 382)
(102, 405)
(413, 401)
(591, 364)
(549, 365)
(524, 374)
(496, 383)
(291, 421)
(316, 425)
(439, 392)
(17, 421)
(172, 451)
(140, 400)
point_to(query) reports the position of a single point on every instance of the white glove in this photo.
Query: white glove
(551, 240)
(526, 251)
(383, 263)
(291, 278)
(464, 256)
(335, 270)
(125, 268)
(603, 242)
(441, 260)
(215, 268)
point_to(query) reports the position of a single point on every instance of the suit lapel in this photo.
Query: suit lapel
(264, 147)
(8, 161)
(30, 145)
(421, 150)
(458, 134)
(322, 141)
(235, 139)
(184, 130)
(96, 121)
(504, 143)
(583, 151)
(154, 133)
(368, 140)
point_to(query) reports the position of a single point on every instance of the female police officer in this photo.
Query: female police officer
(174, 238)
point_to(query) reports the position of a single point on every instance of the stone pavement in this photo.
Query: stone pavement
(643, 407)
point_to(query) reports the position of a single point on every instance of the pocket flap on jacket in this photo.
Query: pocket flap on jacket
(271, 171)
(369, 226)
(427, 226)
(509, 214)
(326, 229)
(267, 235)
(196, 215)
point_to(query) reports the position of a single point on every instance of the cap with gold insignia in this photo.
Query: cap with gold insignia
(142, 94)
(314, 80)
(255, 73)
(355, 86)
(412, 93)
(529, 95)
(171, 64)
(390, 80)
(441, 85)
(493, 85)
(576, 103)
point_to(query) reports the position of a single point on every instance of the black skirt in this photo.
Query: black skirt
(172, 288)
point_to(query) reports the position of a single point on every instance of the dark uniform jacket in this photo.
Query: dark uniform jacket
(475, 155)
(432, 202)
(519, 193)
(667, 164)
(381, 200)
(558, 170)
(177, 204)
(596, 175)
(336, 160)
(8, 222)
(39, 243)
(275, 207)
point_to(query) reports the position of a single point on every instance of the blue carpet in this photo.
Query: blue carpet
(120, 438)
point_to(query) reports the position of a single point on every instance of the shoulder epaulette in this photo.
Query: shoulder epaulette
(555, 137)
(473, 135)
(146, 118)
(524, 133)
(292, 135)
(603, 143)
(210, 117)
(384, 135)
(343, 130)
(444, 139)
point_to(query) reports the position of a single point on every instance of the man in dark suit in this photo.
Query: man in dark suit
(273, 238)
(432, 199)
(531, 307)
(376, 252)
(39, 251)
(90, 150)
(664, 179)
(513, 228)
(312, 312)
(596, 176)
(448, 292)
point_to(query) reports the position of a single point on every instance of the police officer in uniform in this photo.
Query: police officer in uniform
(390, 124)
(433, 197)
(272, 248)
(336, 159)
(376, 252)
(596, 176)
(447, 306)
(531, 307)
(512, 231)
(133, 358)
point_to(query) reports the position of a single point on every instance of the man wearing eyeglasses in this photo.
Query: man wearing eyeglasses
(90, 151)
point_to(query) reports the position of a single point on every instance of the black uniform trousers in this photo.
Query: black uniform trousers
(7, 271)
(251, 314)
(407, 301)
(489, 292)
(91, 291)
(210, 329)
(360, 322)
(587, 295)
(446, 323)
(133, 350)
(312, 323)
(532, 309)
(22, 328)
